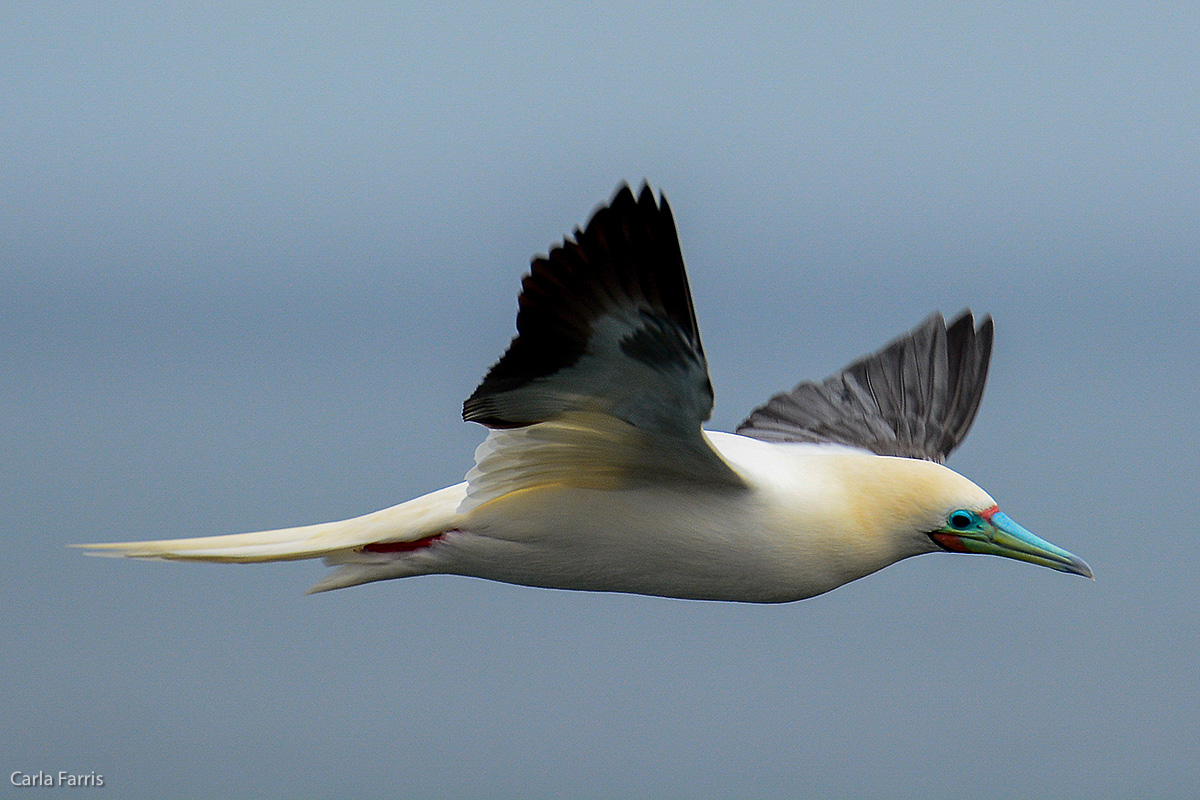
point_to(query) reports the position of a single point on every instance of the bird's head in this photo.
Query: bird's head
(933, 507)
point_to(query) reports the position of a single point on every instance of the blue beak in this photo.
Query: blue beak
(1001, 536)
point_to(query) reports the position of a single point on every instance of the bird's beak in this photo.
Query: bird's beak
(1001, 536)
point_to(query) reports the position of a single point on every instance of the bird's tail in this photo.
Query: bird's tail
(359, 542)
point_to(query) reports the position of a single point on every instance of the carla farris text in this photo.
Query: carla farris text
(61, 778)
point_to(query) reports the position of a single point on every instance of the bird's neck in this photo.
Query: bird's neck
(845, 513)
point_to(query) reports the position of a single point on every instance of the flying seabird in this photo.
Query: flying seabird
(597, 475)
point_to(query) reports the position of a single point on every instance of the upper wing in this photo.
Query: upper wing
(606, 328)
(916, 398)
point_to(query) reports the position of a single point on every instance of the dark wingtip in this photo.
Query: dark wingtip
(628, 255)
(915, 397)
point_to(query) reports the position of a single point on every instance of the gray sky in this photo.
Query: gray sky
(254, 258)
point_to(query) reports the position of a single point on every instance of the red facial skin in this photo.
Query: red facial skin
(949, 541)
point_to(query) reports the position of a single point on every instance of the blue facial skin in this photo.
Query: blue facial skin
(994, 533)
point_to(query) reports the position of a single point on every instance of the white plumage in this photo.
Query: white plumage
(596, 474)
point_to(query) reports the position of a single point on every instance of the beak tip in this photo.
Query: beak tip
(1079, 567)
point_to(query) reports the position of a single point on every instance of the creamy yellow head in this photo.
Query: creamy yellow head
(883, 509)
(898, 507)
(903, 495)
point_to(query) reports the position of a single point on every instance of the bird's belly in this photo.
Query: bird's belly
(674, 544)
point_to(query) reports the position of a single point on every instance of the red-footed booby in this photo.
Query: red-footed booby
(597, 475)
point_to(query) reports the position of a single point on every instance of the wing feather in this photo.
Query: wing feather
(917, 397)
(606, 327)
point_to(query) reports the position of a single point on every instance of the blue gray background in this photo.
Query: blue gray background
(254, 257)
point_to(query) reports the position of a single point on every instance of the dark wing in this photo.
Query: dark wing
(606, 326)
(916, 398)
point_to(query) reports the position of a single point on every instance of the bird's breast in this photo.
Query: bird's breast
(670, 542)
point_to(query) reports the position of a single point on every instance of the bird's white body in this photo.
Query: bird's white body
(814, 517)
(785, 539)
(597, 475)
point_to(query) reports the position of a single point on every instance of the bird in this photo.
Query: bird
(596, 473)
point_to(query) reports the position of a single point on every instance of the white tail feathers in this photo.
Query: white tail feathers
(417, 519)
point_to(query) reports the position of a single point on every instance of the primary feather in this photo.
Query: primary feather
(916, 398)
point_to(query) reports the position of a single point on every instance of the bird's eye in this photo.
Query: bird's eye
(961, 520)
